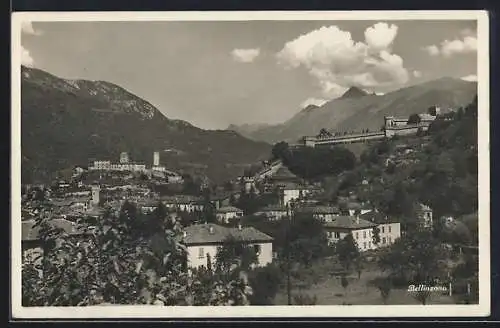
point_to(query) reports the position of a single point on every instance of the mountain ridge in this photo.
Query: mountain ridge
(85, 119)
(367, 112)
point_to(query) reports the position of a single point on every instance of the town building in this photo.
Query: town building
(227, 213)
(362, 231)
(424, 216)
(389, 229)
(33, 247)
(183, 203)
(273, 212)
(202, 240)
(393, 126)
(320, 212)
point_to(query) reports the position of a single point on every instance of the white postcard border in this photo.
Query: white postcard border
(333, 311)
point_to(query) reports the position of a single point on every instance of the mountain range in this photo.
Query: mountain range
(70, 122)
(357, 110)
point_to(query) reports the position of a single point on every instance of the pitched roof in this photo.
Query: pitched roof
(283, 173)
(181, 199)
(228, 209)
(31, 232)
(270, 208)
(201, 234)
(319, 209)
(423, 207)
(375, 216)
(349, 222)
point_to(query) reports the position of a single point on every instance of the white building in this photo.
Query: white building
(320, 212)
(156, 158)
(204, 239)
(228, 213)
(362, 231)
(424, 216)
(273, 212)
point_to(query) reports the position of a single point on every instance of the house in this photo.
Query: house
(31, 244)
(221, 199)
(227, 213)
(147, 206)
(183, 203)
(202, 240)
(273, 212)
(355, 208)
(389, 229)
(320, 212)
(424, 216)
(362, 231)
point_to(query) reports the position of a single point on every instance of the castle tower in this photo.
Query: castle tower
(95, 196)
(156, 158)
(123, 157)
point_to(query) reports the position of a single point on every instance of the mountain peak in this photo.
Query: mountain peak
(354, 92)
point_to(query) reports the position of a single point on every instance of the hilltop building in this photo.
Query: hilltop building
(124, 165)
(393, 126)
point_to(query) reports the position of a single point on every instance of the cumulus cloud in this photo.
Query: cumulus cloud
(313, 101)
(337, 62)
(470, 78)
(447, 48)
(26, 58)
(381, 35)
(245, 55)
(432, 50)
(417, 74)
(467, 45)
(27, 28)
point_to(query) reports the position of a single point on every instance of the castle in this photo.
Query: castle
(393, 126)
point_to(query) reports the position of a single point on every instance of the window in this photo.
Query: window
(256, 249)
(369, 244)
(389, 229)
(383, 240)
(383, 229)
(389, 239)
(364, 234)
(364, 245)
(357, 235)
(201, 253)
(337, 235)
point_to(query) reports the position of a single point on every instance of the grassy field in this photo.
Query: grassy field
(329, 291)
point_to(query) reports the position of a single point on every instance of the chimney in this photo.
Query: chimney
(211, 229)
(239, 227)
(184, 234)
(357, 219)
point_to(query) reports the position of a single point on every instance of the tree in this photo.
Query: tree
(414, 119)
(235, 253)
(359, 265)
(304, 299)
(376, 235)
(384, 285)
(344, 282)
(413, 257)
(265, 284)
(308, 240)
(422, 296)
(281, 151)
(110, 265)
(347, 251)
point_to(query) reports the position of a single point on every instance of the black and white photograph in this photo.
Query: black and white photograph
(250, 164)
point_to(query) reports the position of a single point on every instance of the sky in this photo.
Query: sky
(216, 73)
